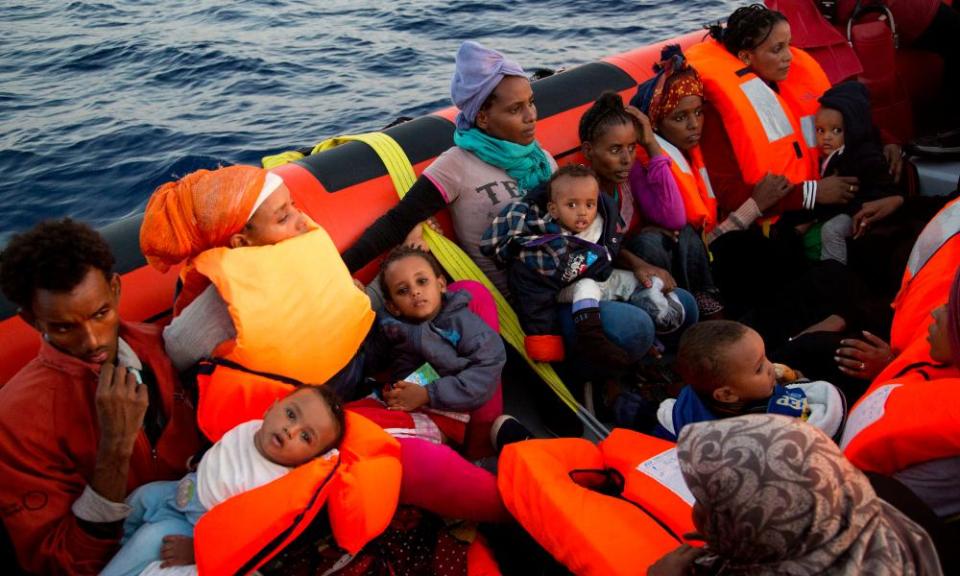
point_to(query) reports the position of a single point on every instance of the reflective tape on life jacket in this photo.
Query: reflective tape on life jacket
(692, 179)
(770, 131)
(360, 488)
(294, 306)
(904, 422)
(590, 532)
(926, 281)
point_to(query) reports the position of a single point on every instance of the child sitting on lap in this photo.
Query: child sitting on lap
(443, 359)
(727, 373)
(566, 255)
(850, 146)
(308, 423)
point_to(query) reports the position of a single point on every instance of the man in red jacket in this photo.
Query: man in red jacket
(97, 413)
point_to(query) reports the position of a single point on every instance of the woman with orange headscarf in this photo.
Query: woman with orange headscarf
(196, 220)
(206, 216)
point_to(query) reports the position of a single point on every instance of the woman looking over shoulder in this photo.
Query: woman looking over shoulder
(496, 160)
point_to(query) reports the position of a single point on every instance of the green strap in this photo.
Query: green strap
(461, 267)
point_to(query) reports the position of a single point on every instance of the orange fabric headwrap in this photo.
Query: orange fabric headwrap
(198, 212)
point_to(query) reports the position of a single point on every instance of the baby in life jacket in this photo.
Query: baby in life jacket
(727, 373)
(308, 423)
(444, 361)
(559, 245)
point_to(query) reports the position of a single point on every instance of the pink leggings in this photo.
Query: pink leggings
(438, 479)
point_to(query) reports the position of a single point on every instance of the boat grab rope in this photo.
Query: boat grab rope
(461, 267)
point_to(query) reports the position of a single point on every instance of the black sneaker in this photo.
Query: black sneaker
(506, 430)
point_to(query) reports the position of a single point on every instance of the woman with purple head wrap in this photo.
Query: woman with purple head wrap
(495, 161)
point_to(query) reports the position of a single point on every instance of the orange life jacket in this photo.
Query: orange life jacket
(926, 281)
(360, 489)
(231, 394)
(588, 531)
(694, 183)
(904, 422)
(293, 304)
(771, 131)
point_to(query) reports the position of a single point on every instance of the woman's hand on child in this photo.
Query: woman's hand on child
(645, 272)
(177, 550)
(874, 211)
(894, 155)
(837, 189)
(405, 396)
(863, 359)
(770, 190)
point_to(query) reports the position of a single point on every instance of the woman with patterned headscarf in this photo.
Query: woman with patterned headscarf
(775, 496)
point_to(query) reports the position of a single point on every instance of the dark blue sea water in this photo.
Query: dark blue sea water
(100, 102)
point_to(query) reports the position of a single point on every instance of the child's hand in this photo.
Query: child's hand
(177, 550)
(406, 396)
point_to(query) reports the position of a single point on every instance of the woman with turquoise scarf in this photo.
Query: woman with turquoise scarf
(496, 160)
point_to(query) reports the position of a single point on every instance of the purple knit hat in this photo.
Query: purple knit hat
(478, 71)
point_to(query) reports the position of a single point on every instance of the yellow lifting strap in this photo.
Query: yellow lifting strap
(456, 262)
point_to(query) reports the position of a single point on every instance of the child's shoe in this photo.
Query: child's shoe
(593, 342)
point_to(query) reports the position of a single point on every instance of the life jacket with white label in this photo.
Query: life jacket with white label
(615, 508)
(770, 131)
(904, 422)
(692, 179)
(360, 488)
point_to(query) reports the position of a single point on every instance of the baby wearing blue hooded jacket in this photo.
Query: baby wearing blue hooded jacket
(725, 367)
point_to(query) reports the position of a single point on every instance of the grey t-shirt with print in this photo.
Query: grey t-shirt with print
(475, 192)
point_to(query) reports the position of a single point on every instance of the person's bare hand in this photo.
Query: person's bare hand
(121, 404)
(770, 190)
(405, 396)
(894, 155)
(678, 562)
(837, 189)
(645, 135)
(874, 211)
(863, 359)
(177, 550)
(645, 273)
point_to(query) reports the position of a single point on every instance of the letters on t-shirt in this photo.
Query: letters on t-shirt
(490, 189)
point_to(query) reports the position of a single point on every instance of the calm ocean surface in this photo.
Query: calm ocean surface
(100, 102)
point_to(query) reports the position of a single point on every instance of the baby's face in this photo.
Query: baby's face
(574, 202)
(750, 376)
(296, 429)
(829, 126)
